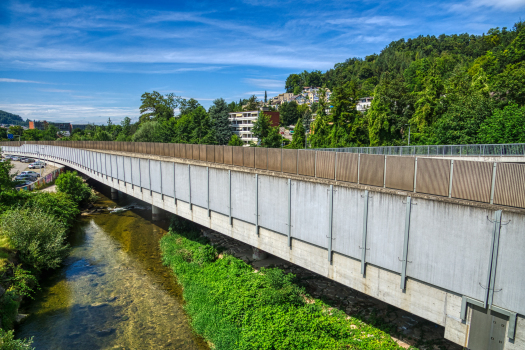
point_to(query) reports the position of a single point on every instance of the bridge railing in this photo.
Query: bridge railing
(498, 150)
(488, 182)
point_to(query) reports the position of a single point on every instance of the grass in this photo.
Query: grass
(235, 307)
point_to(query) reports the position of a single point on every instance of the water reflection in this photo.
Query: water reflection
(113, 292)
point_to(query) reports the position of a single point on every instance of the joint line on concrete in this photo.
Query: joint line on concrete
(365, 230)
(405, 244)
(331, 212)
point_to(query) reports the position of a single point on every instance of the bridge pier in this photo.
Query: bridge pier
(114, 193)
(156, 213)
(259, 254)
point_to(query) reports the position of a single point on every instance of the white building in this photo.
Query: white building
(364, 103)
(242, 124)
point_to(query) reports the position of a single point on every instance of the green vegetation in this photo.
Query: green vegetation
(8, 341)
(9, 118)
(33, 231)
(235, 307)
(73, 185)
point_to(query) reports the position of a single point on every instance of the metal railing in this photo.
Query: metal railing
(496, 150)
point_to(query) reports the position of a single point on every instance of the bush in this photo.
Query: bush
(38, 236)
(235, 308)
(72, 184)
(8, 341)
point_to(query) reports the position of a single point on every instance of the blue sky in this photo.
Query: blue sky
(85, 61)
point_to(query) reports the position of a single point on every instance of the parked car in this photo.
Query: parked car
(36, 166)
(25, 178)
(27, 160)
(31, 173)
(23, 183)
(15, 158)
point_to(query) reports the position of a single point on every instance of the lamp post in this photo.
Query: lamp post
(408, 133)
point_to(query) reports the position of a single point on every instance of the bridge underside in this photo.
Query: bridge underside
(357, 262)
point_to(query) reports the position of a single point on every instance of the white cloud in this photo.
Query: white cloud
(266, 83)
(8, 80)
(373, 20)
(504, 5)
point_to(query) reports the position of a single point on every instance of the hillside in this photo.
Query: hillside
(451, 89)
(9, 118)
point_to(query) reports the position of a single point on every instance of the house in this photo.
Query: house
(242, 124)
(364, 103)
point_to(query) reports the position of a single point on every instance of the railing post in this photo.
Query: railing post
(174, 185)
(331, 213)
(257, 204)
(494, 169)
(189, 187)
(384, 174)
(290, 213)
(450, 178)
(230, 195)
(365, 231)
(405, 244)
(208, 189)
(358, 167)
(415, 174)
(149, 172)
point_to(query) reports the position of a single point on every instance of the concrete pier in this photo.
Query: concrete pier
(156, 213)
(114, 193)
(259, 254)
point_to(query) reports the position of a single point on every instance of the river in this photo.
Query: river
(113, 291)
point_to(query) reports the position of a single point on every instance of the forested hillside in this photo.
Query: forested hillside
(451, 89)
(8, 118)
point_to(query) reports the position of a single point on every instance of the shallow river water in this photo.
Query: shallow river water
(112, 292)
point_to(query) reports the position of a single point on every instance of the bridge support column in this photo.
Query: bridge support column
(156, 213)
(114, 193)
(259, 254)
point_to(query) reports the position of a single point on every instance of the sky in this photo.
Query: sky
(87, 61)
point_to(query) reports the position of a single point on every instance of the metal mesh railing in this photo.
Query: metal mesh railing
(499, 150)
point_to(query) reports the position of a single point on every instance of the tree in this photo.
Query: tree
(6, 178)
(16, 130)
(252, 103)
(220, 121)
(188, 106)
(267, 135)
(72, 184)
(202, 131)
(299, 135)
(155, 106)
(125, 132)
(149, 131)
(504, 126)
(235, 141)
(292, 81)
(265, 96)
(289, 113)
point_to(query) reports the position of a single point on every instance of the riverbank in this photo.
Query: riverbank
(234, 306)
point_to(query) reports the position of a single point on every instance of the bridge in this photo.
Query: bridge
(440, 237)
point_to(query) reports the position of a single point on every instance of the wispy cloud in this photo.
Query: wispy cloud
(266, 83)
(9, 80)
(505, 5)
(56, 90)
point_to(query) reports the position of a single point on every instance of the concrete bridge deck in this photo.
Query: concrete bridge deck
(458, 263)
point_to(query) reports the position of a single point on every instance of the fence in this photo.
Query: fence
(499, 150)
(494, 183)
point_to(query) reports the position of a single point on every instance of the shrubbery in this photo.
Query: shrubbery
(8, 342)
(72, 184)
(235, 308)
(39, 236)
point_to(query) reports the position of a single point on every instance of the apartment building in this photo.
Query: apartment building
(242, 124)
(364, 103)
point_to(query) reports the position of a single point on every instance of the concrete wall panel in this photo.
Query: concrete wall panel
(127, 170)
(310, 212)
(114, 169)
(273, 203)
(167, 178)
(243, 196)
(219, 191)
(121, 170)
(135, 167)
(98, 162)
(156, 176)
(386, 229)
(347, 224)
(181, 182)
(199, 186)
(144, 174)
(449, 246)
(510, 278)
(107, 162)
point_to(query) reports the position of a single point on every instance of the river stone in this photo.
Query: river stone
(105, 332)
(20, 317)
(97, 305)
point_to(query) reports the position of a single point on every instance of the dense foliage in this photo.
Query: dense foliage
(450, 89)
(235, 308)
(73, 185)
(9, 118)
(8, 341)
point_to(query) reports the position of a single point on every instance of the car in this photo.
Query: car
(40, 162)
(22, 184)
(26, 177)
(36, 166)
(31, 173)
(27, 160)
(15, 158)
